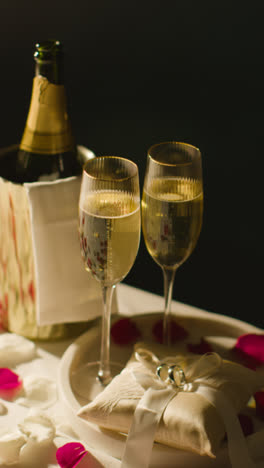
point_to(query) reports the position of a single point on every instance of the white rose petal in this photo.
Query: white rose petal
(10, 446)
(66, 430)
(38, 428)
(40, 432)
(38, 392)
(15, 349)
(34, 455)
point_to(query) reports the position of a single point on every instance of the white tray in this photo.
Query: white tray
(222, 331)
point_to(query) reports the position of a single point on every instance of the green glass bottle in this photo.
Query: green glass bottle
(47, 150)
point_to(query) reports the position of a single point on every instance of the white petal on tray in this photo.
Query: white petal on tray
(65, 430)
(38, 392)
(10, 446)
(38, 427)
(15, 349)
(221, 344)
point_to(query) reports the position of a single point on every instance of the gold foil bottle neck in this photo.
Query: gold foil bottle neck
(47, 129)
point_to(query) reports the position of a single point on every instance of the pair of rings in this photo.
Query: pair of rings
(171, 374)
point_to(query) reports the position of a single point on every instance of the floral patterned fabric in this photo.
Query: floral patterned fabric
(17, 276)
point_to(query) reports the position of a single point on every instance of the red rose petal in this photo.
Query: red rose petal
(69, 455)
(125, 332)
(246, 424)
(259, 399)
(243, 359)
(200, 348)
(177, 332)
(250, 347)
(10, 384)
(73, 453)
(89, 461)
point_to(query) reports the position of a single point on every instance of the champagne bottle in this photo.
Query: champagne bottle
(47, 150)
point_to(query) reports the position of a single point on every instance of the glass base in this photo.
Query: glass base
(86, 382)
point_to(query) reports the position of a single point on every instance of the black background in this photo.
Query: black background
(138, 73)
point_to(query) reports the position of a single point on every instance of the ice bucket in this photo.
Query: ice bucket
(18, 284)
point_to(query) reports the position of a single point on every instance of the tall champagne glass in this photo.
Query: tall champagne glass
(109, 230)
(172, 209)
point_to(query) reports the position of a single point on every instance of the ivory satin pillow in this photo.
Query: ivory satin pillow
(189, 422)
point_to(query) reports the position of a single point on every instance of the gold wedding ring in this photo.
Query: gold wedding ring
(171, 374)
(176, 376)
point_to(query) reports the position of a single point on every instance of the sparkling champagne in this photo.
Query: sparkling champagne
(109, 228)
(172, 210)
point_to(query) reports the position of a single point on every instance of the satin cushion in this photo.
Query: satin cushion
(189, 422)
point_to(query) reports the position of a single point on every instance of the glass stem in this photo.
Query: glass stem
(168, 277)
(104, 373)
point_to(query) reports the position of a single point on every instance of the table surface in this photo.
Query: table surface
(131, 301)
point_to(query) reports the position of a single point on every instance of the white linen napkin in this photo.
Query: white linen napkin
(65, 292)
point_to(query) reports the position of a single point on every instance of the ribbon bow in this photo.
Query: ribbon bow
(162, 381)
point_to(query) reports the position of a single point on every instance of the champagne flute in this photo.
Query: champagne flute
(109, 231)
(172, 210)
